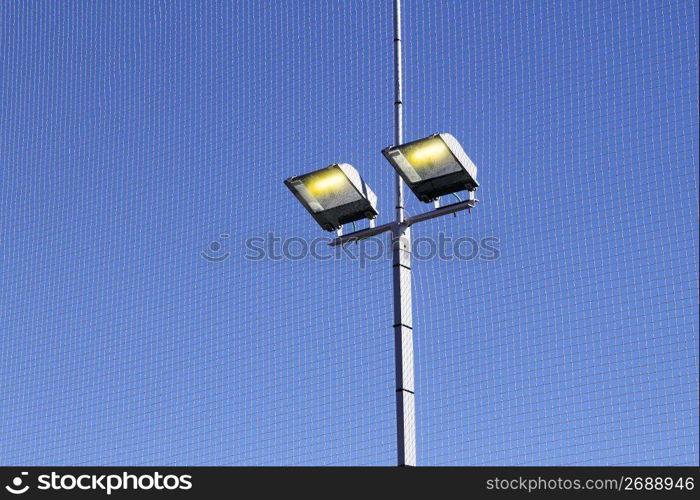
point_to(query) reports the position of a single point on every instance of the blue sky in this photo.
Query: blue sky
(133, 136)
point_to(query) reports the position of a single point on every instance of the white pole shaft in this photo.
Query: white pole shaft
(398, 104)
(401, 261)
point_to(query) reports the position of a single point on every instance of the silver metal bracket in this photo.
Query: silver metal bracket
(439, 212)
(374, 231)
(362, 234)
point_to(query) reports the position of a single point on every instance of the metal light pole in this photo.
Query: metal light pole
(400, 230)
(401, 261)
(461, 175)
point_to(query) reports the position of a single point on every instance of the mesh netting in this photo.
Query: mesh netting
(143, 150)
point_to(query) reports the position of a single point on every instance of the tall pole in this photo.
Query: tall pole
(401, 261)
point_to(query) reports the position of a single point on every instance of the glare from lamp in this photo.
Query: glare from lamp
(427, 153)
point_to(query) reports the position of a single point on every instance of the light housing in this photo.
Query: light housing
(433, 166)
(334, 195)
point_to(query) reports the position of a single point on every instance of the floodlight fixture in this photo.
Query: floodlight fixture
(433, 166)
(334, 195)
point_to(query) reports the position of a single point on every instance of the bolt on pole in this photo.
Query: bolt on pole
(401, 261)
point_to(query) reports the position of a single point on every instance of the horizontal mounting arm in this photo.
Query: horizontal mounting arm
(439, 212)
(374, 231)
(362, 234)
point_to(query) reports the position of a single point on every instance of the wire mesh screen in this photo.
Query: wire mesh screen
(164, 299)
